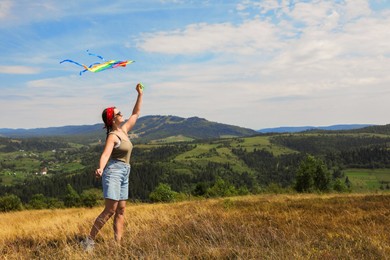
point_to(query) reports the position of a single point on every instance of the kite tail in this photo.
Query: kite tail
(92, 54)
(81, 72)
(87, 68)
(71, 61)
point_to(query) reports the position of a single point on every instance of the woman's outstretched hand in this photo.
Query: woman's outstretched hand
(140, 88)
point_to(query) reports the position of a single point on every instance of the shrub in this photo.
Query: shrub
(200, 189)
(10, 203)
(162, 193)
(90, 198)
(339, 186)
(274, 188)
(38, 201)
(54, 203)
(221, 188)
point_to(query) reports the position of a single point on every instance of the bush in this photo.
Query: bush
(54, 203)
(162, 193)
(38, 201)
(274, 188)
(200, 189)
(221, 188)
(339, 186)
(243, 190)
(10, 203)
(181, 196)
(90, 198)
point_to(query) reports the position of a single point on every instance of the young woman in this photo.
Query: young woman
(114, 168)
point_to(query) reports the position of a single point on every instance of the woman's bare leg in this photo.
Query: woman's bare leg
(119, 220)
(109, 210)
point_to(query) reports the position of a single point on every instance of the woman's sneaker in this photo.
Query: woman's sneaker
(88, 244)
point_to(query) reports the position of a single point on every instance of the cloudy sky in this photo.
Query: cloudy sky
(254, 64)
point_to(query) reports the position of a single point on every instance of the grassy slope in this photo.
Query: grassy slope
(28, 163)
(252, 227)
(364, 180)
(220, 151)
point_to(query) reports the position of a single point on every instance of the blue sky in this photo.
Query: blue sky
(254, 64)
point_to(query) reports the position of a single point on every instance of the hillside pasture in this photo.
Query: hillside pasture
(261, 143)
(18, 165)
(172, 139)
(364, 180)
(220, 151)
(204, 153)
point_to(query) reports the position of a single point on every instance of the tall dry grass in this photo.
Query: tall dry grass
(251, 227)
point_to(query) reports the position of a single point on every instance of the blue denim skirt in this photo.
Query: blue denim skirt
(115, 180)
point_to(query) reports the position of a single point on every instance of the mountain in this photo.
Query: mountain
(147, 128)
(50, 131)
(160, 127)
(295, 129)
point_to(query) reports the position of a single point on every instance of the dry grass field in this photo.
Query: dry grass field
(249, 227)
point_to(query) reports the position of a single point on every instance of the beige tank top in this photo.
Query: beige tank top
(122, 150)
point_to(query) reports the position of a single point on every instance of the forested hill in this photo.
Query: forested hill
(297, 129)
(148, 128)
(378, 129)
(160, 127)
(373, 129)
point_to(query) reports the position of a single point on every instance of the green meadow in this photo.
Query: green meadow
(220, 151)
(19, 165)
(364, 180)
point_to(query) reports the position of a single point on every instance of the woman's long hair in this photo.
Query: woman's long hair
(107, 116)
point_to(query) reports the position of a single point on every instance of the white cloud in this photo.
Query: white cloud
(18, 70)
(311, 14)
(247, 38)
(355, 9)
(5, 7)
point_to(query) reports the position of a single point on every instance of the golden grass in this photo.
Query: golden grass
(250, 227)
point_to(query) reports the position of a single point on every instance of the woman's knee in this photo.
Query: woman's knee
(120, 210)
(106, 214)
(109, 211)
(110, 207)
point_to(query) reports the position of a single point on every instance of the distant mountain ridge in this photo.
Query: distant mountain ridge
(147, 128)
(158, 127)
(296, 129)
(50, 131)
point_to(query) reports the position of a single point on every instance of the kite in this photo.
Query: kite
(97, 67)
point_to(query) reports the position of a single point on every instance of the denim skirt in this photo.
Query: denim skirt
(115, 180)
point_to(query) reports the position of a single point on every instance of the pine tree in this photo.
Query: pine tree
(72, 198)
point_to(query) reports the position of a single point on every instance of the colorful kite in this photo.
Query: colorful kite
(97, 67)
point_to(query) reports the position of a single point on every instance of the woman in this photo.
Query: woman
(114, 168)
